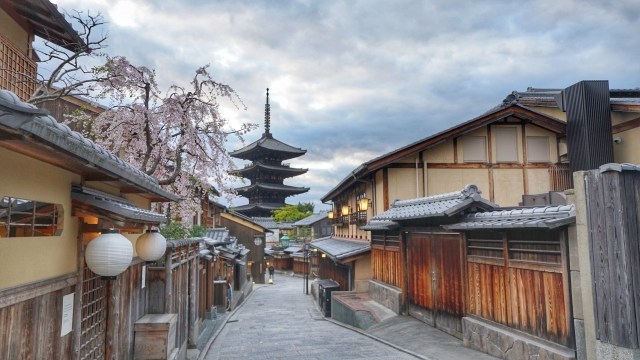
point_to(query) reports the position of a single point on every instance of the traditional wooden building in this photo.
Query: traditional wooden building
(278, 228)
(313, 227)
(248, 232)
(76, 189)
(345, 261)
(267, 172)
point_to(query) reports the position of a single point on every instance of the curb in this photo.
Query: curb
(352, 328)
(205, 349)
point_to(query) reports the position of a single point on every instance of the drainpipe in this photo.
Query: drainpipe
(424, 175)
(417, 188)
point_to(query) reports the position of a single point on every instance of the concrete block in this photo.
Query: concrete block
(574, 257)
(576, 295)
(581, 345)
(613, 352)
(385, 294)
(506, 343)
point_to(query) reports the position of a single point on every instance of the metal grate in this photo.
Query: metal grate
(95, 293)
(18, 79)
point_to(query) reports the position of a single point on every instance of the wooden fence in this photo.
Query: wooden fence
(612, 209)
(386, 261)
(520, 279)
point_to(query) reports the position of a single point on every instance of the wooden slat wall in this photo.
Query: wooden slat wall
(282, 264)
(526, 291)
(612, 199)
(300, 267)
(31, 329)
(328, 270)
(387, 266)
(132, 306)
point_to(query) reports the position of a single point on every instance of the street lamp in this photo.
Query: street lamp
(285, 240)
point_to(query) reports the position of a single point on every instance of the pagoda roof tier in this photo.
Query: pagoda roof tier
(260, 206)
(256, 167)
(267, 145)
(279, 188)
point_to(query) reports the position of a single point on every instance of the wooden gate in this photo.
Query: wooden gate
(435, 280)
(95, 296)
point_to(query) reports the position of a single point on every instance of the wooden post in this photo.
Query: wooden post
(113, 322)
(193, 297)
(77, 300)
(566, 281)
(168, 285)
(403, 237)
(525, 175)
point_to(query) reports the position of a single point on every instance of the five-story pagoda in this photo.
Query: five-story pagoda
(266, 171)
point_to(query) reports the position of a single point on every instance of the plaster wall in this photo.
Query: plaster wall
(447, 180)
(442, 153)
(402, 184)
(629, 150)
(508, 185)
(538, 181)
(10, 29)
(363, 268)
(379, 192)
(552, 111)
(28, 259)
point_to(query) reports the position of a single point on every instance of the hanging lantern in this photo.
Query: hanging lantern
(364, 204)
(257, 240)
(109, 254)
(345, 210)
(330, 215)
(151, 245)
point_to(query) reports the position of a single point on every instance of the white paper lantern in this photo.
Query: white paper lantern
(109, 254)
(151, 245)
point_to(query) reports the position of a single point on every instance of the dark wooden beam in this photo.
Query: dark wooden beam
(404, 166)
(625, 107)
(625, 126)
(487, 166)
(98, 176)
(131, 190)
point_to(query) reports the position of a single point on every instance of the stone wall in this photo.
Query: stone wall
(387, 295)
(506, 343)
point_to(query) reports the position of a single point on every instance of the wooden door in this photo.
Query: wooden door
(435, 280)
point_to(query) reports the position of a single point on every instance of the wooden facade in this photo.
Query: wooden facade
(520, 279)
(329, 270)
(386, 259)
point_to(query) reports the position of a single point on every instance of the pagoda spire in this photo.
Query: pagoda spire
(267, 116)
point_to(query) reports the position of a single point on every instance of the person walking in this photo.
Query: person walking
(272, 270)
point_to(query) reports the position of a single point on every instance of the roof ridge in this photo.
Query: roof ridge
(469, 191)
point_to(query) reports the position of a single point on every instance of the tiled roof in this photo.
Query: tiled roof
(270, 223)
(373, 225)
(339, 249)
(311, 219)
(115, 204)
(545, 217)
(217, 236)
(267, 143)
(276, 187)
(275, 168)
(60, 135)
(618, 96)
(437, 205)
(266, 206)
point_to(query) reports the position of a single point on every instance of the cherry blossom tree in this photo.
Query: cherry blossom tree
(177, 136)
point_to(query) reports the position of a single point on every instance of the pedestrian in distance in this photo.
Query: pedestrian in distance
(272, 270)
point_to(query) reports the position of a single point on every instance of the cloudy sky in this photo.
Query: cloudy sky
(351, 80)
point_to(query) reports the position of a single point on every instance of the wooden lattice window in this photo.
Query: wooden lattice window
(21, 70)
(95, 297)
(28, 218)
(386, 239)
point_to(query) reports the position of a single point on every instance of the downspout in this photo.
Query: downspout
(424, 175)
(417, 180)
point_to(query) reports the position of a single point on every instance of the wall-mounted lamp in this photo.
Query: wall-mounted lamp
(330, 214)
(364, 204)
(345, 210)
(324, 255)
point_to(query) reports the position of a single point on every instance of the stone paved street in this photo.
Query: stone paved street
(280, 322)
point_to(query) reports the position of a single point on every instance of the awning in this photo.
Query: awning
(340, 249)
(107, 206)
(543, 217)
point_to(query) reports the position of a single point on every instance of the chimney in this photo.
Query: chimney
(589, 135)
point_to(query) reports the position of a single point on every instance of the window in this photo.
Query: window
(474, 149)
(27, 218)
(538, 149)
(506, 145)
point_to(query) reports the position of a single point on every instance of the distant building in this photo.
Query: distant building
(267, 192)
(313, 227)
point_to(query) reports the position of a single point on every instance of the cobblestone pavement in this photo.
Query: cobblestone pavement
(280, 322)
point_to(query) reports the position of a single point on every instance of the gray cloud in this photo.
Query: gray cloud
(353, 80)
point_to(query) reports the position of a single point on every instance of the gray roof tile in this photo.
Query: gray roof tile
(437, 205)
(270, 223)
(545, 217)
(373, 225)
(339, 249)
(115, 204)
(269, 144)
(311, 219)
